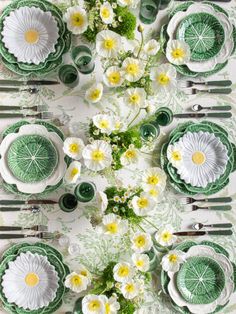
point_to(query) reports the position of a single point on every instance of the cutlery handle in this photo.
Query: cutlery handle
(12, 202)
(11, 236)
(220, 91)
(219, 115)
(220, 108)
(9, 89)
(219, 200)
(10, 108)
(223, 208)
(10, 209)
(226, 225)
(10, 228)
(11, 115)
(220, 232)
(219, 83)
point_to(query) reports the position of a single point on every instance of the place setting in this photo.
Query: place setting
(117, 157)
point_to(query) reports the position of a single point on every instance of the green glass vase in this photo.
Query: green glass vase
(68, 202)
(69, 75)
(85, 192)
(83, 59)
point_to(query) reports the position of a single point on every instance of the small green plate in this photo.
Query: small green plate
(200, 280)
(32, 158)
(203, 33)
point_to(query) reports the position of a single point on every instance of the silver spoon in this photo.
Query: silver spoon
(199, 226)
(197, 108)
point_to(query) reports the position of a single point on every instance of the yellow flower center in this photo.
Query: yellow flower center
(117, 125)
(166, 236)
(77, 19)
(112, 227)
(134, 99)
(114, 78)
(198, 158)
(104, 124)
(178, 53)
(31, 279)
(132, 69)
(76, 280)
(176, 155)
(98, 155)
(139, 263)
(74, 148)
(107, 308)
(74, 172)
(123, 271)
(140, 241)
(84, 273)
(109, 43)
(163, 79)
(105, 13)
(142, 202)
(32, 36)
(129, 287)
(130, 154)
(153, 192)
(95, 94)
(153, 180)
(94, 305)
(173, 258)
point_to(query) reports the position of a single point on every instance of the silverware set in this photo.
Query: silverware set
(192, 88)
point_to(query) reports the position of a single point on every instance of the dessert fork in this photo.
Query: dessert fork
(194, 91)
(190, 200)
(186, 84)
(32, 91)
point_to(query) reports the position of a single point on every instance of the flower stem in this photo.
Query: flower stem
(150, 223)
(141, 45)
(141, 228)
(135, 117)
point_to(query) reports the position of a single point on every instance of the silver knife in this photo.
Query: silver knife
(205, 114)
(201, 233)
(27, 83)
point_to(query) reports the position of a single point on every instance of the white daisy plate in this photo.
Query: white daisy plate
(226, 265)
(36, 187)
(225, 51)
(30, 34)
(30, 281)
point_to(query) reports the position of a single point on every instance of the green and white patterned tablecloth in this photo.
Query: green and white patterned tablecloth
(74, 114)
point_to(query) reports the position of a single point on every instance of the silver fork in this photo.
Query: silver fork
(32, 90)
(41, 235)
(39, 115)
(15, 228)
(39, 108)
(194, 91)
(186, 84)
(190, 200)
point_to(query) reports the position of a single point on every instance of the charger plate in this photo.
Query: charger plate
(54, 258)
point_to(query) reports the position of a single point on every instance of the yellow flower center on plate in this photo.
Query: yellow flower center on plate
(74, 148)
(163, 79)
(176, 155)
(31, 279)
(76, 280)
(109, 43)
(173, 258)
(77, 19)
(142, 202)
(132, 69)
(140, 241)
(129, 287)
(94, 305)
(114, 78)
(32, 36)
(178, 53)
(105, 13)
(153, 180)
(198, 158)
(112, 227)
(98, 155)
(123, 271)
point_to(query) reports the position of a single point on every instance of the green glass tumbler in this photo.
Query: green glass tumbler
(69, 75)
(149, 10)
(68, 202)
(164, 116)
(85, 192)
(83, 59)
(149, 131)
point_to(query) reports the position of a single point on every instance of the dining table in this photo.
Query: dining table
(71, 113)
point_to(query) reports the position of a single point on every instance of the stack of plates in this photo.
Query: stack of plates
(32, 160)
(204, 282)
(33, 37)
(32, 279)
(207, 158)
(211, 36)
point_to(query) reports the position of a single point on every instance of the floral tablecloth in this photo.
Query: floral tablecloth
(73, 115)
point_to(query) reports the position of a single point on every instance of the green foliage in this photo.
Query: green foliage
(127, 306)
(90, 35)
(127, 26)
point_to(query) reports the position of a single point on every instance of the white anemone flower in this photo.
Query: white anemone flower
(93, 304)
(113, 77)
(171, 262)
(133, 69)
(113, 225)
(152, 47)
(130, 289)
(165, 236)
(135, 97)
(178, 52)
(98, 155)
(143, 205)
(123, 272)
(73, 172)
(108, 44)
(141, 261)
(154, 192)
(76, 282)
(130, 3)
(102, 201)
(130, 156)
(154, 178)
(73, 147)
(141, 242)
(83, 271)
(94, 93)
(111, 304)
(163, 77)
(175, 155)
(76, 19)
(106, 13)
(104, 122)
